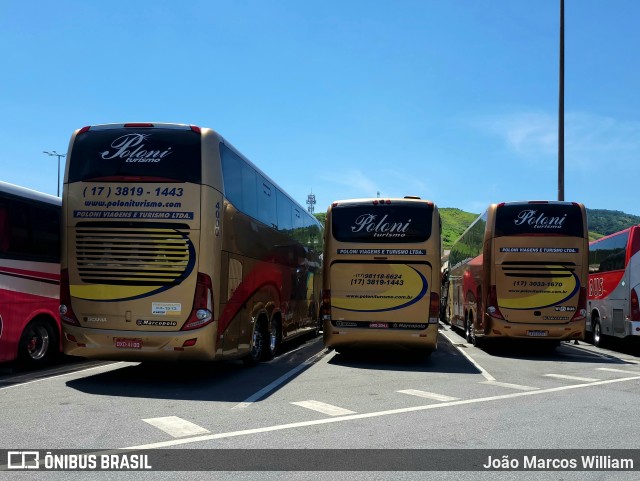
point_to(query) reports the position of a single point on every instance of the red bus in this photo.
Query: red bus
(29, 275)
(614, 286)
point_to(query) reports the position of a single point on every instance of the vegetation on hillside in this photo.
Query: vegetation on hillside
(454, 223)
(602, 222)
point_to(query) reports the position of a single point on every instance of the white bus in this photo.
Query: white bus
(29, 275)
(614, 286)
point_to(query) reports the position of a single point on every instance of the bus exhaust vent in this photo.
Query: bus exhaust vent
(132, 255)
(538, 269)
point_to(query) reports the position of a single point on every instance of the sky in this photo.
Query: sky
(455, 101)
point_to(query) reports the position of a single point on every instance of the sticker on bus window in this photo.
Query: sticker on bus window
(166, 308)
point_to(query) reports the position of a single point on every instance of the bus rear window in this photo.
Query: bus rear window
(382, 223)
(539, 218)
(161, 154)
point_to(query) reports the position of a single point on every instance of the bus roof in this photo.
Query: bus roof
(26, 193)
(379, 200)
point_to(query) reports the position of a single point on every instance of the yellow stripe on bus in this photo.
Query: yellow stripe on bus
(104, 292)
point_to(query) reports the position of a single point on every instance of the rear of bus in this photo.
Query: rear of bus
(381, 274)
(537, 257)
(136, 275)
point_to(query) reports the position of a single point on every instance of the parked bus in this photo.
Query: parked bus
(382, 274)
(519, 271)
(614, 284)
(29, 275)
(176, 247)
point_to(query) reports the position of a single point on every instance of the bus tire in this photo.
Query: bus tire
(38, 343)
(275, 337)
(598, 340)
(468, 331)
(259, 344)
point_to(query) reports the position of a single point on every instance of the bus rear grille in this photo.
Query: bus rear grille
(538, 269)
(137, 256)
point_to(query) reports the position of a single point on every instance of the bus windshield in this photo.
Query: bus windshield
(150, 154)
(383, 223)
(539, 218)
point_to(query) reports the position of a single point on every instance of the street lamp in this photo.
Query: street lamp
(53, 153)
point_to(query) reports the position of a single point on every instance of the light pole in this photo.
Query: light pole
(53, 153)
(561, 109)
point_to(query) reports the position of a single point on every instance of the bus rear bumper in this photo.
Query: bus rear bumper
(196, 345)
(557, 332)
(634, 328)
(337, 337)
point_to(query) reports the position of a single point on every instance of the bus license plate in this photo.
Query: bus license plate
(129, 343)
(379, 325)
(538, 333)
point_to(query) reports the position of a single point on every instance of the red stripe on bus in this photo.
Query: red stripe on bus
(29, 274)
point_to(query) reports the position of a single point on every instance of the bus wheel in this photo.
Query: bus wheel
(597, 333)
(275, 337)
(38, 343)
(259, 346)
(475, 340)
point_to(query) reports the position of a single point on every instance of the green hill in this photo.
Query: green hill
(602, 222)
(454, 223)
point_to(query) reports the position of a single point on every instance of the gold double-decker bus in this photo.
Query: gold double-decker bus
(520, 271)
(381, 282)
(177, 247)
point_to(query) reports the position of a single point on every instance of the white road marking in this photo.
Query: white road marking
(482, 370)
(572, 378)
(354, 417)
(428, 395)
(610, 369)
(107, 368)
(323, 408)
(267, 389)
(176, 427)
(511, 386)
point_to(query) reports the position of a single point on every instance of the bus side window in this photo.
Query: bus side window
(5, 231)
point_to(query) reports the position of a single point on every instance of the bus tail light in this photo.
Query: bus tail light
(202, 312)
(325, 309)
(66, 313)
(635, 307)
(434, 308)
(581, 311)
(492, 304)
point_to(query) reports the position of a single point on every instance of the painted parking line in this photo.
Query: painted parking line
(176, 427)
(572, 378)
(610, 369)
(324, 408)
(271, 387)
(482, 370)
(377, 414)
(428, 395)
(519, 387)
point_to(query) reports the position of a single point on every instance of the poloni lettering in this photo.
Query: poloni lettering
(539, 220)
(132, 148)
(382, 228)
